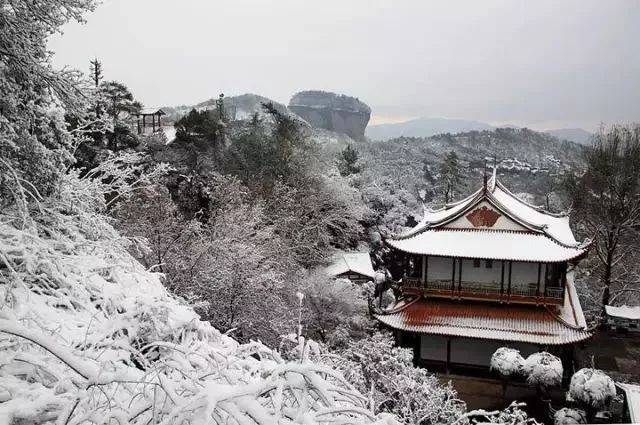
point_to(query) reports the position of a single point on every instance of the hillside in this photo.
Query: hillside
(427, 127)
(525, 160)
(423, 127)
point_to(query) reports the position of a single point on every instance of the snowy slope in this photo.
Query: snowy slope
(88, 335)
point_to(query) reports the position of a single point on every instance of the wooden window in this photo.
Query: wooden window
(476, 263)
(488, 264)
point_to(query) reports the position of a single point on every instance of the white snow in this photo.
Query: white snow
(543, 370)
(555, 226)
(88, 334)
(592, 387)
(632, 395)
(623, 312)
(358, 262)
(507, 361)
(567, 416)
(488, 244)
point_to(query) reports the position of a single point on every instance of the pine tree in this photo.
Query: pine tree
(450, 177)
(347, 162)
(95, 69)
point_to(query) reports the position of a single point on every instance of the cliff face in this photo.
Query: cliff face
(339, 113)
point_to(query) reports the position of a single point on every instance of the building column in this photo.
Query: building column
(509, 282)
(460, 260)
(538, 287)
(502, 278)
(448, 355)
(453, 274)
(424, 271)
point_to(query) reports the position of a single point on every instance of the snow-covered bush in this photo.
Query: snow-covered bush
(334, 310)
(385, 372)
(567, 416)
(507, 362)
(543, 370)
(89, 335)
(592, 388)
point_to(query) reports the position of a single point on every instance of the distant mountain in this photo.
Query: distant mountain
(576, 135)
(424, 127)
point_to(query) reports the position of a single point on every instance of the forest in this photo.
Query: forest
(143, 281)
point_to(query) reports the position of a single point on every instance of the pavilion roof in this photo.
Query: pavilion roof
(542, 236)
(549, 325)
(358, 262)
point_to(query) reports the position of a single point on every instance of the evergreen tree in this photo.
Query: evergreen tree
(348, 161)
(95, 69)
(120, 106)
(450, 177)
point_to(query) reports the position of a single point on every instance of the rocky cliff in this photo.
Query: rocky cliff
(339, 113)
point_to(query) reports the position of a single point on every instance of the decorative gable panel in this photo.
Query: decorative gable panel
(485, 216)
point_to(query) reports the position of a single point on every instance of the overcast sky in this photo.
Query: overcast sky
(544, 64)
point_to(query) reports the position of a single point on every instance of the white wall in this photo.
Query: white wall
(439, 268)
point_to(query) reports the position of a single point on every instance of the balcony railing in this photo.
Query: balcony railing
(481, 289)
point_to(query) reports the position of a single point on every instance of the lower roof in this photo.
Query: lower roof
(542, 325)
(482, 320)
(487, 244)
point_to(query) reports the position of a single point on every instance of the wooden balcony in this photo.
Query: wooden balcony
(526, 294)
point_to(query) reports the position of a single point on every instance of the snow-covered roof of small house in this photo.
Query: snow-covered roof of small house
(632, 394)
(152, 111)
(357, 262)
(553, 325)
(623, 312)
(492, 223)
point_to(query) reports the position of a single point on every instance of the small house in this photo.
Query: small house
(355, 266)
(623, 318)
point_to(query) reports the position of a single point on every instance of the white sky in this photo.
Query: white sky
(544, 63)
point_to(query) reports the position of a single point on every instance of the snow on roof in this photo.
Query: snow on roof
(556, 226)
(623, 312)
(151, 111)
(358, 262)
(553, 325)
(632, 394)
(548, 236)
(487, 244)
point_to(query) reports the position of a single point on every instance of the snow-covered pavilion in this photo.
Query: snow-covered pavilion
(355, 266)
(485, 272)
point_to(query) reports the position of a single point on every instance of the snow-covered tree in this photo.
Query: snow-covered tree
(567, 416)
(508, 363)
(593, 389)
(543, 371)
(385, 372)
(336, 310)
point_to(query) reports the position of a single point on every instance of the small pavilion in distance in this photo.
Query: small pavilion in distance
(148, 120)
(482, 273)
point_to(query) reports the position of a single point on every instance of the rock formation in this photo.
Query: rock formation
(339, 113)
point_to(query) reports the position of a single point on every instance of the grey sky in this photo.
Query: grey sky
(544, 64)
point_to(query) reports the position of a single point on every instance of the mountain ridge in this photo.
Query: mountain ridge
(432, 126)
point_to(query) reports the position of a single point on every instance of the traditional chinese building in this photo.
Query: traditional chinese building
(355, 266)
(486, 272)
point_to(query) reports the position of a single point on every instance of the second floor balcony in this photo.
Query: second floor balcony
(528, 293)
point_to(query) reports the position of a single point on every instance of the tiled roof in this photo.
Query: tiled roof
(544, 236)
(522, 323)
(487, 244)
(358, 262)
